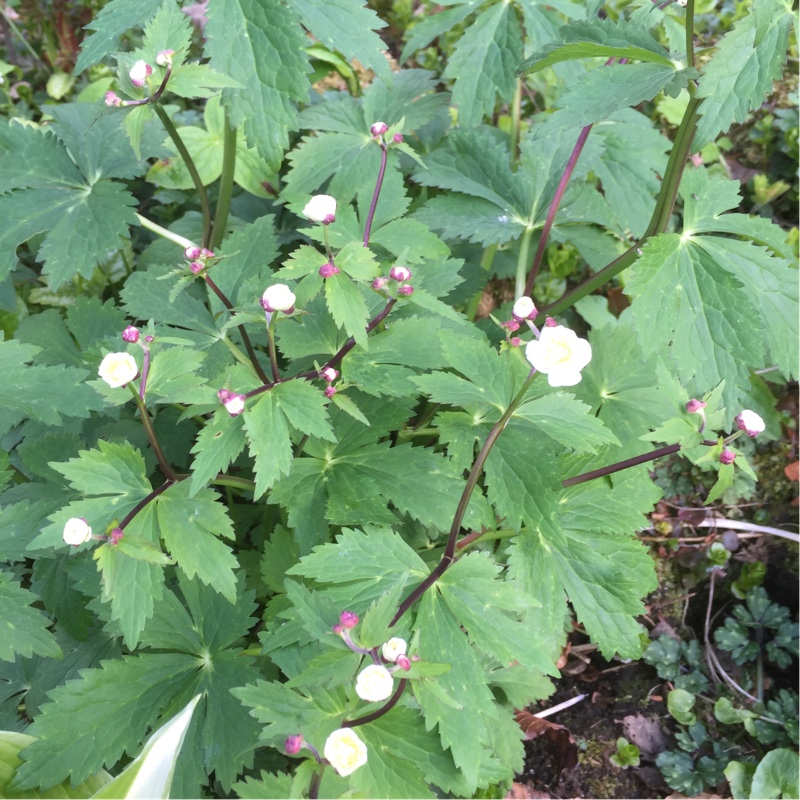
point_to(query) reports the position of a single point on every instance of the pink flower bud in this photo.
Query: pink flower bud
(693, 406)
(196, 267)
(328, 270)
(234, 403)
(223, 395)
(206, 253)
(321, 208)
(130, 334)
(139, 73)
(406, 290)
(278, 297)
(337, 629)
(727, 456)
(192, 253)
(149, 339)
(404, 663)
(115, 536)
(164, 58)
(329, 392)
(398, 138)
(378, 128)
(550, 323)
(515, 341)
(348, 619)
(751, 423)
(400, 274)
(379, 284)
(112, 99)
(329, 374)
(512, 325)
(293, 744)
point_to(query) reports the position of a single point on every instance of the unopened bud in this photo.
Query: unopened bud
(515, 341)
(404, 663)
(197, 267)
(524, 309)
(348, 619)
(727, 456)
(112, 99)
(278, 297)
(378, 128)
(400, 274)
(192, 253)
(329, 374)
(149, 339)
(234, 403)
(398, 138)
(751, 423)
(130, 335)
(139, 73)
(693, 406)
(206, 253)
(115, 536)
(337, 629)
(293, 744)
(406, 290)
(512, 325)
(550, 323)
(329, 391)
(328, 270)
(164, 58)
(379, 284)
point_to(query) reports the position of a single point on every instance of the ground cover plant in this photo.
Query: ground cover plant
(263, 457)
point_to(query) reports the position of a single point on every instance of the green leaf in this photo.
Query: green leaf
(776, 775)
(25, 629)
(259, 44)
(305, 407)
(142, 550)
(374, 630)
(267, 787)
(347, 307)
(217, 446)
(173, 377)
(686, 298)
(740, 74)
(606, 90)
(268, 436)
(484, 61)
(600, 38)
(114, 19)
(190, 527)
(92, 720)
(346, 26)
(46, 393)
(429, 27)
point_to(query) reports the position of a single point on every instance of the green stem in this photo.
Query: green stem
(486, 263)
(202, 195)
(690, 33)
(522, 262)
(273, 355)
(234, 482)
(152, 438)
(18, 33)
(516, 109)
(240, 356)
(474, 474)
(225, 184)
(181, 241)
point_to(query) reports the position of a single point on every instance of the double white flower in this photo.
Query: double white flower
(117, 369)
(76, 531)
(321, 208)
(559, 354)
(345, 751)
(374, 683)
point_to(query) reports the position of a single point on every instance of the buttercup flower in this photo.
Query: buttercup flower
(321, 208)
(345, 751)
(524, 309)
(374, 683)
(76, 531)
(117, 369)
(559, 354)
(751, 423)
(393, 648)
(139, 73)
(278, 297)
(727, 456)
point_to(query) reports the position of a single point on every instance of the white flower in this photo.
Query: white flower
(374, 683)
(76, 531)
(234, 404)
(345, 751)
(321, 208)
(750, 422)
(117, 369)
(278, 297)
(140, 72)
(559, 354)
(524, 309)
(393, 648)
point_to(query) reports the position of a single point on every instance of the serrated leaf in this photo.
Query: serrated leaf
(268, 436)
(259, 44)
(484, 63)
(190, 527)
(740, 74)
(429, 27)
(608, 89)
(348, 308)
(305, 407)
(374, 630)
(600, 38)
(217, 446)
(25, 629)
(142, 550)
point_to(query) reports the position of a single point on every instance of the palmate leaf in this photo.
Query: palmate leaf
(25, 629)
(484, 61)
(217, 445)
(259, 44)
(84, 214)
(740, 74)
(600, 38)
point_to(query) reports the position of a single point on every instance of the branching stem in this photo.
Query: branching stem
(169, 474)
(374, 202)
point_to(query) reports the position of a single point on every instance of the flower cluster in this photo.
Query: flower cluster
(198, 258)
